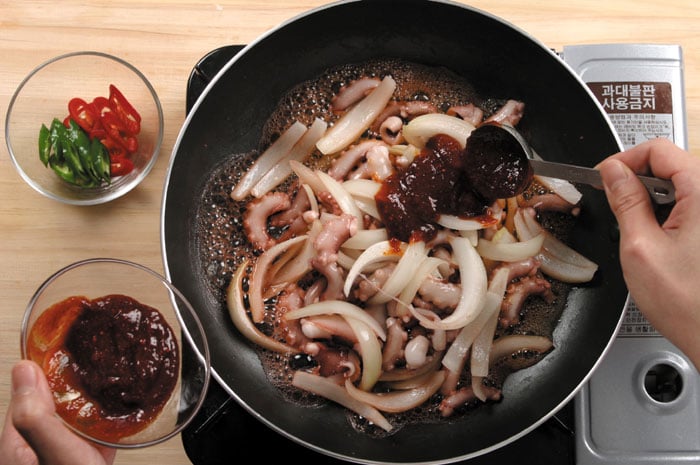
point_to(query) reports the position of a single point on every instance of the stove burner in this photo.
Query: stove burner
(663, 383)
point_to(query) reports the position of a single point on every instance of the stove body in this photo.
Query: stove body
(642, 404)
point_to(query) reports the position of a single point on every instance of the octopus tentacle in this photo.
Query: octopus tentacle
(518, 292)
(255, 218)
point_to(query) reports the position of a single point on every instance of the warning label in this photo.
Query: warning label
(639, 110)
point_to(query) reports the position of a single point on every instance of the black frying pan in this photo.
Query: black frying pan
(563, 122)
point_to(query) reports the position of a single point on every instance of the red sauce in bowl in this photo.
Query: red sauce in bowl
(111, 362)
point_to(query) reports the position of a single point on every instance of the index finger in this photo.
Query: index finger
(660, 157)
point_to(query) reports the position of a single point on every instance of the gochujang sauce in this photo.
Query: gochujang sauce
(410, 201)
(111, 362)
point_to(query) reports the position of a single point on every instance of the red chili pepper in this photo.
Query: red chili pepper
(119, 166)
(126, 112)
(115, 150)
(83, 113)
(117, 131)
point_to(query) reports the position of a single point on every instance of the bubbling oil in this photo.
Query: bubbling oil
(223, 246)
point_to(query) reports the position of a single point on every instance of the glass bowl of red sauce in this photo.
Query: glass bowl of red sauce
(123, 350)
(112, 128)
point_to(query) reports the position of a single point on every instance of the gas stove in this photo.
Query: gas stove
(641, 405)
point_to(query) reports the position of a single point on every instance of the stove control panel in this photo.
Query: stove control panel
(642, 404)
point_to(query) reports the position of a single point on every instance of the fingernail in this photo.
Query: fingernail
(614, 174)
(23, 379)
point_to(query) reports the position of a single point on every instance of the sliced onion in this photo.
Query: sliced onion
(508, 345)
(510, 252)
(466, 224)
(337, 307)
(327, 388)
(411, 259)
(299, 152)
(365, 238)
(557, 259)
(381, 251)
(257, 280)
(409, 291)
(398, 401)
(362, 187)
(474, 285)
(478, 388)
(455, 356)
(356, 121)
(307, 176)
(479, 364)
(404, 374)
(237, 312)
(293, 270)
(420, 129)
(562, 188)
(343, 197)
(370, 351)
(268, 159)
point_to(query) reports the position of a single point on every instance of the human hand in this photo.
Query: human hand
(34, 435)
(660, 263)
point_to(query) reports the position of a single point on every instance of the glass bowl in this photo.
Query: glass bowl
(45, 94)
(124, 352)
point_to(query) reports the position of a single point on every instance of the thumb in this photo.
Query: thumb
(33, 416)
(627, 196)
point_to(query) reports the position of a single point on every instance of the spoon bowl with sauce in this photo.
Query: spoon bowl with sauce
(501, 163)
(112, 339)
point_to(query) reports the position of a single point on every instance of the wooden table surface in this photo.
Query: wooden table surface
(164, 39)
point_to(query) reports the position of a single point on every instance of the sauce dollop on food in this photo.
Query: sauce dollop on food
(410, 201)
(111, 362)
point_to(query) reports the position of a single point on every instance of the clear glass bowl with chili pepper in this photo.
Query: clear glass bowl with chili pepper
(84, 128)
(124, 353)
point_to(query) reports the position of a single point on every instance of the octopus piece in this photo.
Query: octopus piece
(291, 298)
(469, 113)
(293, 219)
(255, 218)
(548, 202)
(379, 165)
(353, 93)
(369, 286)
(440, 293)
(416, 351)
(328, 327)
(396, 339)
(329, 203)
(350, 158)
(510, 113)
(464, 396)
(334, 361)
(334, 231)
(516, 270)
(390, 130)
(516, 295)
(406, 110)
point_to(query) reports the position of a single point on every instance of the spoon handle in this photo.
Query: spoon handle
(660, 190)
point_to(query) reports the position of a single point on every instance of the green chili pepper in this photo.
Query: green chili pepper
(70, 153)
(62, 170)
(100, 160)
(73, 155)
(81, 142)
(44, 145)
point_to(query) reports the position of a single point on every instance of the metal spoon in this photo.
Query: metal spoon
(512, 156)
